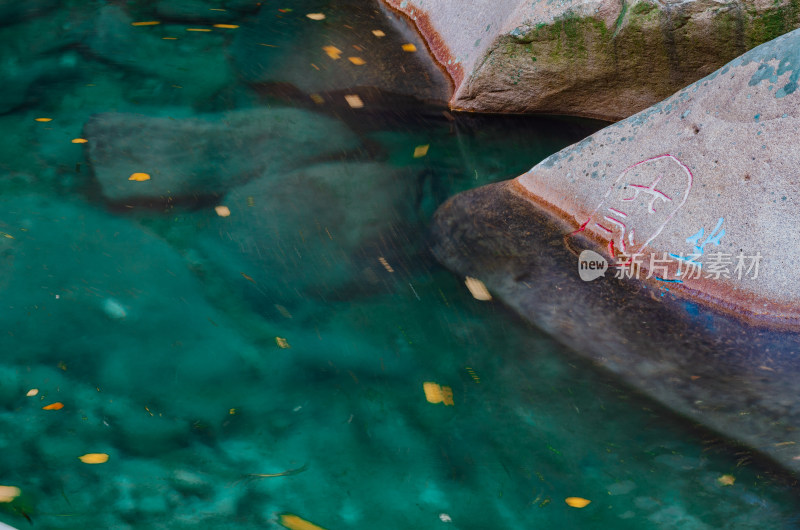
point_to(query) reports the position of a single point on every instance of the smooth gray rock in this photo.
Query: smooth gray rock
(205, 156)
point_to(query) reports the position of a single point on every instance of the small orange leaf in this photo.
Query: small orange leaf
(139, 177)
(198, 29)
(357, 60)
(316, 16)
(577, 502)
(409, 48)
(54, 406)
(436, 393)
(94, 458)
(146, 23)
(44, 119)
(354, 101)
(378, 33)
(282, 343)
(222, 211)
(79, 140)
(9, 493)
(226, 26)
(293, 522)
(421, 150)
(333, 52)
(726, 480)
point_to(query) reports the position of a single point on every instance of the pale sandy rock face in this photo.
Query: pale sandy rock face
(699, 193)
(603, 59)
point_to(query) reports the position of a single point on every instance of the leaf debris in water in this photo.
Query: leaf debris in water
(282, 343)
(354, 101)
(421, 150)
(94, 458)
(409, 47)
(226, 26)
(54, 406)
(316, 16)
(333, 52)
(726, 480)
(436, 393)
(139, 177)
(9, 493)
(294, 522)
(577, 502)
(222, 211)
(378, 33)
(146, 23)
(477, 289)
(357, 60)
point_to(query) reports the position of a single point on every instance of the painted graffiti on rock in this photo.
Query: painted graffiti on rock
(640, 203)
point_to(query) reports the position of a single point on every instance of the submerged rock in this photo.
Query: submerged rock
(692, 203)
(314, 231)
(196, 157)
(604, 59)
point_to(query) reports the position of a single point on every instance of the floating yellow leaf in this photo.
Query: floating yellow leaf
(421, 150)
(79, 140)
(409, 48)
(577, 502)
(378, 33)
(354, 101)
(44, 119)
(197, 29)
(357, 60)
(9, 493)
(226, 26)
(477, 289)
(294, 522)
(147, 23)
(169, 38)
(385, 264)
(32, 392)
(435, 393)
(282, 343)
(222, 211)
(316, 98)
(94, 458)
(726, 480)
(333, 52)
(231, 411)
(54, 406)
(316, 16)
(139, 177)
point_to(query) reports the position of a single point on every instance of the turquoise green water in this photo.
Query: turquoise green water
(206, 354)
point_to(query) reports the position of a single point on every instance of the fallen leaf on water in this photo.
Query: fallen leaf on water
(54, 406)
(357, 60)
(333, 52)
(385, 264)
(316, 98)
(248, 278)
(282, 343)
(726, 480)
(378, 33)
(32, 392)
(226, 26)
(94, 458)
(146, 23)
(294, 522)
(421, 150)
(354, 101)
(409, 47)
(198, 29)
(222, 211)
(9, 493)
(577, 502)
(44, 119)
(316, 16)
(139, 177)
(79, 140)
(477, 289)
(436, 393)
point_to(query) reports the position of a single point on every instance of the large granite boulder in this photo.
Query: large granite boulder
(691, 204)
(601, 58)
(205, 156)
